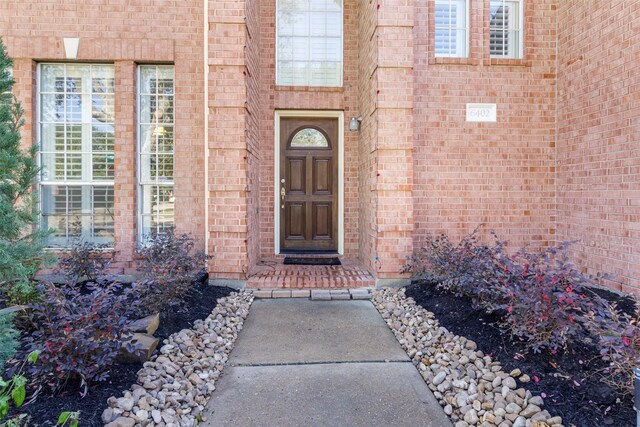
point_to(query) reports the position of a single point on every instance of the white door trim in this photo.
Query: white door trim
(276, 177)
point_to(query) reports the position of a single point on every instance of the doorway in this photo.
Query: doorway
(308, 182)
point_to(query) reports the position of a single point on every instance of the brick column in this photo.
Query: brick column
(386, 102)
(227, 140)
(124, 202)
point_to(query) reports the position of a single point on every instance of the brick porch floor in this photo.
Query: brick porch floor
(271, 273)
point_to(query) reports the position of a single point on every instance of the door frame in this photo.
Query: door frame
(276, 176)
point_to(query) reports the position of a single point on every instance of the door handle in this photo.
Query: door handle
(282, 193)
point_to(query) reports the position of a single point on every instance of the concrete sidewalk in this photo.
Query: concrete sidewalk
(320, 363)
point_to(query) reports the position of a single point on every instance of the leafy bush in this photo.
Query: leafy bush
(14, 390)
(465, 268)
(79, 336)
(168, 263)
(83, 261)
(21, 252)
(619, 335)
(539, 295)
(8, 339)
(547, 303)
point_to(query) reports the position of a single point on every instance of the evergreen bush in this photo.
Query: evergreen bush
(21, 242)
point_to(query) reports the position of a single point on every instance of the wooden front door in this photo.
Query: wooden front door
(308, 184)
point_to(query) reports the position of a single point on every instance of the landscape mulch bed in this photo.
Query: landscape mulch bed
(567, 379)
(198, 304)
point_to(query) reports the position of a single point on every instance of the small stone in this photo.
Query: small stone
(144, 404)
(489, 418)
(460, 384)
(509, 382)
(496, 382)
(477, 405)
(471, 417)
(125, 403)
(513, 408)
(195, 379)
(530, 410)
(448, 409)
(554, 420)
(536, 400)
(525, 378)
(438, 379)
(515, 373)
(107, 415)
(142, 415)
(500, 412)
(520, 422)
(157, 417)
(461, 424)
(121, 422)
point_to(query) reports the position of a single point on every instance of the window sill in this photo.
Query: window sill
(509, 62)
(310, 88)
(110, 250)
(440, 60)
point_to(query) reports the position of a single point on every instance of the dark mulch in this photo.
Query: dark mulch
(44, 411)
(567, 379)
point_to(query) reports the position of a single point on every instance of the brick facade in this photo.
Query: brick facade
(561, 162)
(598, 152)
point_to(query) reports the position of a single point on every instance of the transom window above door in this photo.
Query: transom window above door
(309, 37)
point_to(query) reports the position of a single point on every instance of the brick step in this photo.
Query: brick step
(275, 275)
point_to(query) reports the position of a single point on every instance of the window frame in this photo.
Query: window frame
(141, 238)
(86, 233)
(467, 29)
(309, 82)
(520, 31)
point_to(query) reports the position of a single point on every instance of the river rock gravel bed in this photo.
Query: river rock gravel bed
(173, 388)
(473, 389)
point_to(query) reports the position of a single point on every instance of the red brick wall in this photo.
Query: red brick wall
(598, 153)
(125, 34)
(500, 174)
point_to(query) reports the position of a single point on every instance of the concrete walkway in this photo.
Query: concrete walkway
(320, 363)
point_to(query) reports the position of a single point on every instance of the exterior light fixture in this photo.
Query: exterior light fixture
(354, 124)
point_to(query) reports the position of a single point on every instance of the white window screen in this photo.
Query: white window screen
(76, 152)
(155, 150)
(451, 30)
(506, 28)
(309, 43)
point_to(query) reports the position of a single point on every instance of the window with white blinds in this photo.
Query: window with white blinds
(309, 42)
(506, 28)
(76, 130)
(155, 150)
(451, 28)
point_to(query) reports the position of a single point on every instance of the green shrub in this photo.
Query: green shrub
(8, 339)
(20, 240)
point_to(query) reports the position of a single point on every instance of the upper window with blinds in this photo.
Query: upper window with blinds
(506, 28)
(309, 43)
(451, 28)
